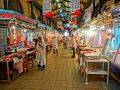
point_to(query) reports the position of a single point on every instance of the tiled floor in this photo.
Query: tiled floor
(61, 74)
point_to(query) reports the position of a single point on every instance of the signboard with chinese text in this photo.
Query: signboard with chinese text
(75, 5)
(47, 6)
(6, 14)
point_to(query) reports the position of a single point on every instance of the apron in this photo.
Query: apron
(40, 54)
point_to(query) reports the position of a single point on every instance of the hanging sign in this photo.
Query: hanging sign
(47, 6)
(116, 12)
(6, 14)
(75, 5)
(24, 18)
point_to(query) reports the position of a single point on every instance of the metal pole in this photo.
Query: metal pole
(6, 4)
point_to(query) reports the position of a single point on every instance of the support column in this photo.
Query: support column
(51, 22)
(42, 17)
(6, 4)
(32, 12)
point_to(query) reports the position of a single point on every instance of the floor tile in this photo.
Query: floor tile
(61, 74)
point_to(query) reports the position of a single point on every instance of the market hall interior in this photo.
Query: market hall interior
(60, 44)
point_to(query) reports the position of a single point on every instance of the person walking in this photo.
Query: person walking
(55, 45)
(40, 55)
(64, 42)
(73, 45)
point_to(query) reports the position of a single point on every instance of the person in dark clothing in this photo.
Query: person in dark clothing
(73, 45)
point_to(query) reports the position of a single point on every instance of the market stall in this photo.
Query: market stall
(101, 37)
(15, 44)
(111, 50)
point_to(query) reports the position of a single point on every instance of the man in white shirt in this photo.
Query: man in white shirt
(40, 55)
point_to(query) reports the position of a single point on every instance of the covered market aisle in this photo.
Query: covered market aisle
(61, 74)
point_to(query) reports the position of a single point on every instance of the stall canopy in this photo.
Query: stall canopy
(12, 15)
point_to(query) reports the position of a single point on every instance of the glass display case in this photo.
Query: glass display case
(112, 43)
(111, 51)
(117, 60)
(3, 39)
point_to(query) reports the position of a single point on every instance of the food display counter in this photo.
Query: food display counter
(103, 35)
(16, 44)
(16, 62)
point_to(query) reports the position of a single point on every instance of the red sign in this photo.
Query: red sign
(24, 18)
(6, 16)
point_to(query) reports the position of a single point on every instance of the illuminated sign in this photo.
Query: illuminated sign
(47, 6)
(6, 14)
(12, 15)
(24, 18)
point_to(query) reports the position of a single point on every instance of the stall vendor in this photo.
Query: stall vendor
(26, 42)
(40, 55)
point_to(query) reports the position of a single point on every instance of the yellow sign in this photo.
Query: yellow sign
(1, 4)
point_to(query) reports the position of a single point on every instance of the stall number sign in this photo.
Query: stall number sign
(75, 5)
(46, 6)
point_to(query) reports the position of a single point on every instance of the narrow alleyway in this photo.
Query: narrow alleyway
(61, 74)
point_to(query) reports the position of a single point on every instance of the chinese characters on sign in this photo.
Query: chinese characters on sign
(46, 6)
(75, 5)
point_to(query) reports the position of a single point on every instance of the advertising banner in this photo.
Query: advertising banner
(47, 6)
(75, 5)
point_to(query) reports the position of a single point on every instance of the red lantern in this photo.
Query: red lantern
(77, 13)
(49, 14)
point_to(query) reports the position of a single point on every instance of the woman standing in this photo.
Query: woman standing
(55, 45)
(40, 55)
